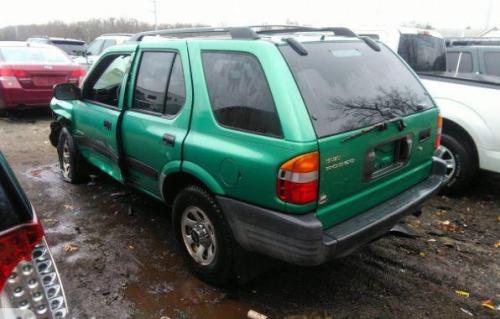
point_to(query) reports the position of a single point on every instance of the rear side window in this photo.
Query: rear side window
(348, 85)
(424, 53)
(492, 63)
(160, 72)
(461, 59)
(239, 93)
(152, 81)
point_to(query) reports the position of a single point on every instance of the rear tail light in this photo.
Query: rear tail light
(9, 78)
(76, 76)
(298, 179)
(439, 133)
(16, 246)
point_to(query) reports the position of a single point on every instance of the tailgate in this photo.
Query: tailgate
(362, 172)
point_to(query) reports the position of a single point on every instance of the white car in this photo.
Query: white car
(469, 103)
(101, 43)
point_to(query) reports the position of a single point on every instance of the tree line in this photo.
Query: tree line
(82, 30)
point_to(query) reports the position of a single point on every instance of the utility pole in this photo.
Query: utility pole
(155, 12)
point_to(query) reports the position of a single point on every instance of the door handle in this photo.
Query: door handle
(168, 139)
(107, 124)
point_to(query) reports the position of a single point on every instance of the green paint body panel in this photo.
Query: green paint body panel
(239, 164)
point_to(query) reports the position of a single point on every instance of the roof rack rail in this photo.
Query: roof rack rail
(117, 34)
(247, 33)
(467, 41)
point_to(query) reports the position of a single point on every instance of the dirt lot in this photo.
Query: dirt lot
(124, 264)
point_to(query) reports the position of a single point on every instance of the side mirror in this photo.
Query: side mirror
(67, 92)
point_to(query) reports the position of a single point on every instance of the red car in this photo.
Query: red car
(29, 282)
(29, 71)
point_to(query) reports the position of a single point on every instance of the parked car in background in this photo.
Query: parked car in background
(101, 43)
(74, 48)
(29, 282)
(29, 71)
(276, 138)
(469, 104)
(477, 59)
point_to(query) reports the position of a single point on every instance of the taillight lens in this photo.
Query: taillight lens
(8, 78)
(76, 76)
(16, 246)
(298, 179)
(439, 133)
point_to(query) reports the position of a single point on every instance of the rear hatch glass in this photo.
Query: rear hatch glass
(33, 55)
(348, 85)
(349, 90)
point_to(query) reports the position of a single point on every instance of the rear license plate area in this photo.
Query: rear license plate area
(48, 81)
(387, 157)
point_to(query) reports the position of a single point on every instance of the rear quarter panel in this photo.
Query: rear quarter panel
(243, 164)
(476, 109)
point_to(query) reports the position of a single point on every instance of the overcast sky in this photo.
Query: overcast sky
(438, 13)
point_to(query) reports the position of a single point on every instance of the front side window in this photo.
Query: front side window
(492, 63)
(348, 85)
(104, 87)
(239, 93)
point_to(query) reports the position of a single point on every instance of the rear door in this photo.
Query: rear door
(156, 120)
(350, 90)
(95, 118)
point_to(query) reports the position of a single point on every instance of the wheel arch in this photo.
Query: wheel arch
(172, 181)
(461, 133)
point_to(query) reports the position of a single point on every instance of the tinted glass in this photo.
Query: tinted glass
(492, 63)
(152, 81)
(464, 59)
(176, 89)
(347, 85)
(33, 55)
(13, 209)
(71, 47)
(239, 93)
(106, 88)
(424, 53)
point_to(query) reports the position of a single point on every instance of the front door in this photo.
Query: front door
(96, 118)
(156, 120)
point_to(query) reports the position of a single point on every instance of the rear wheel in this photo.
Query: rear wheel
(70, 161)
(460, 163)
(203, 235)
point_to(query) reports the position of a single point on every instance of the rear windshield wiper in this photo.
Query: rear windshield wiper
(382, 126)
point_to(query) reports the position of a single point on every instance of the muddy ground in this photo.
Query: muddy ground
(120, 259)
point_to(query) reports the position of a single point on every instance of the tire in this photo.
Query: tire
(70, 162)
(215, 265)
(461, 154)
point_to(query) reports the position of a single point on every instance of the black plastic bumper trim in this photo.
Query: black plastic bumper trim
(300, 239)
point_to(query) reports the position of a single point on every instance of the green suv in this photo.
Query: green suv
(298, 143)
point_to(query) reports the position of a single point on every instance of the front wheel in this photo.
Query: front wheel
(70, 161)
(460, 165)
(203, 235)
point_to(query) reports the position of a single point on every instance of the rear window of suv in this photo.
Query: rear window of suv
(348, 85)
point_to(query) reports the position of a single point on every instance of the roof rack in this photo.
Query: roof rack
(243, 33)
(453, 42)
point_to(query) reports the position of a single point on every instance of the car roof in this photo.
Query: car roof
(19, 44)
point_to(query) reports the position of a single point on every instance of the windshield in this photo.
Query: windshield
(348, 85)
(95, 47)
(424, 53)
(33, 55)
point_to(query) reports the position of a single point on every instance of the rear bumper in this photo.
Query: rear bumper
(27, 98)
(301, 240)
